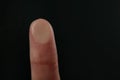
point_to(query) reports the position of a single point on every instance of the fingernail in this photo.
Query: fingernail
(40, 30)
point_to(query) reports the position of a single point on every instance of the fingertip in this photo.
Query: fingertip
(41, 30)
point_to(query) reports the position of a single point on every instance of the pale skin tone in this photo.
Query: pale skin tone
(43, 53)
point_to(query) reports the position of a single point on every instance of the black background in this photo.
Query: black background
(87, 34)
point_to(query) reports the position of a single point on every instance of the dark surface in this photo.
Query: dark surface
(87, 34)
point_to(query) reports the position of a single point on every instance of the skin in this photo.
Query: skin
(43, 53)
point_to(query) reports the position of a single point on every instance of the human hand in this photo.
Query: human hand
(43, 53)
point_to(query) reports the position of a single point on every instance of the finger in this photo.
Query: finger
(43, 54)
